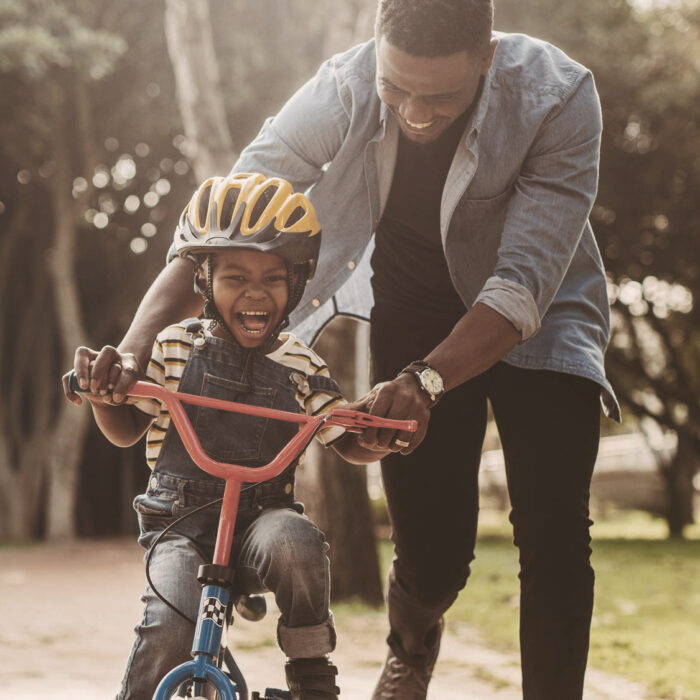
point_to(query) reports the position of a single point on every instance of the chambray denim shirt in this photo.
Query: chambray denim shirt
(515, 206)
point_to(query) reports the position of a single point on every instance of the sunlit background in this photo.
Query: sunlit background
(111, 112)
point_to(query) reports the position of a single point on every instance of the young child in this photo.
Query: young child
(255, 244)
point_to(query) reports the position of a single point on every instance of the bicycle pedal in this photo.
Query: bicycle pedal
(251, 607)
(272, 694)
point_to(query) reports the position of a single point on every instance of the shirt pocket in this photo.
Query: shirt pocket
(473, 241)
(232, 437)
(484, 217)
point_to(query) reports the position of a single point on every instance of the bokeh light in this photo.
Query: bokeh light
(131, 204)
(138, 245)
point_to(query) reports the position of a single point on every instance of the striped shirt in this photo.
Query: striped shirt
(171, 351)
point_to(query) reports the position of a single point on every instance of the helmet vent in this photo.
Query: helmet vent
(263, 200)
(228, 206)
(204, 197)
(295, 216)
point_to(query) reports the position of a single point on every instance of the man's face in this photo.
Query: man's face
(427, 94)
(250, 292)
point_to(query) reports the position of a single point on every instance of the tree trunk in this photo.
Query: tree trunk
(335, 497)
(680, 490)
(20, 480)
(24, 416)
(68, 433)
(200, 96)
(335, 492)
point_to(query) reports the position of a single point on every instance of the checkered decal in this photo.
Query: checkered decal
(213, 609)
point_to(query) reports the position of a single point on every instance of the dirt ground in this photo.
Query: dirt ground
(68, 612)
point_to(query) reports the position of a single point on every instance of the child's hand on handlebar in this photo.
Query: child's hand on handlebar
(100, 372)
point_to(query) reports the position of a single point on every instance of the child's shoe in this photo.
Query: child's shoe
(312, 679)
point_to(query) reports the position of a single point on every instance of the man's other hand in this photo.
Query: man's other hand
(106, 374)
(399, 399)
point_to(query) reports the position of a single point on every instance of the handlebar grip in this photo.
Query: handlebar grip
(73, 384)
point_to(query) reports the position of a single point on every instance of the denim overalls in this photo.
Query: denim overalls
(276, 547)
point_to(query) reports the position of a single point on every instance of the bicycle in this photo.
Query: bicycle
(219, 596)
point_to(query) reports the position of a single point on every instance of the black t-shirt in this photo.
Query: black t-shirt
(410, 274)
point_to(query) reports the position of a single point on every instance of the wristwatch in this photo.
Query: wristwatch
(429, 379)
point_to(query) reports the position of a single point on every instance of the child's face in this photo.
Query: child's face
(250, 293)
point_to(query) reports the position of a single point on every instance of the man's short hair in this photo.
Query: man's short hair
(436, 27)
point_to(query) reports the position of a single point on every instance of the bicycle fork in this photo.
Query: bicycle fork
(205, 648)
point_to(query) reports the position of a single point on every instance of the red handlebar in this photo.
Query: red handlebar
(352, 421)
(234, 474)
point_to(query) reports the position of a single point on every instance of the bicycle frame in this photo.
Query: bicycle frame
(216, 592)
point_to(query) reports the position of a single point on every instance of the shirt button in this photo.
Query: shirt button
(154, 482)
(287, 488)
(316, 303)
(351, 264)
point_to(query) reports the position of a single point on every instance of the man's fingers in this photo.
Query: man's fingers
(385, 436)
(113, 374)
(362, 404)
(81, 364)
(417, 437)
(99, 374)
(130, 372)
(402, 440)
(402, 407)
(380, 406)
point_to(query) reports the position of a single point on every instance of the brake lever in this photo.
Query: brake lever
(356, 422)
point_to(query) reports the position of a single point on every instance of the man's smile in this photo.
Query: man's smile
(419, 125)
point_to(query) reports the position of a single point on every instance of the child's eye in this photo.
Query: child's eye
(277, 278)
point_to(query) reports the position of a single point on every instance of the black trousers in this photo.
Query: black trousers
(548, 423)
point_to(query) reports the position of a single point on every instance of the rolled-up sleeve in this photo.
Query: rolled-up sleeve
(547, 212)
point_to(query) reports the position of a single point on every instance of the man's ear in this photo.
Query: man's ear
(487, 59)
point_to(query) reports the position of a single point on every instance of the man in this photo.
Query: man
(473, 160)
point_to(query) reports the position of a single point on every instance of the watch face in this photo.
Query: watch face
(432, 381)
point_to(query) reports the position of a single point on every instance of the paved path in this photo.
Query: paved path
(68, 611)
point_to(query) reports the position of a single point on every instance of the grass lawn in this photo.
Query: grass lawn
(646, 622)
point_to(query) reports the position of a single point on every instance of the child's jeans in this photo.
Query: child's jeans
(276, 548)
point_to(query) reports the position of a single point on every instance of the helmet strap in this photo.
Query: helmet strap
(210, 310)
(294, 291)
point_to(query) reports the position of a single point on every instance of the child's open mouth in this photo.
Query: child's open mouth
(253, 322)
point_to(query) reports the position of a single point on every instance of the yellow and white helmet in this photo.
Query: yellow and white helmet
(246, 210)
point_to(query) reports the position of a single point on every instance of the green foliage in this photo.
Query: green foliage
(103, 68)
(40, 35)
(645, 59)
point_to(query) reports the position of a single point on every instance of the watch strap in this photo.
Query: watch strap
(415, 368)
